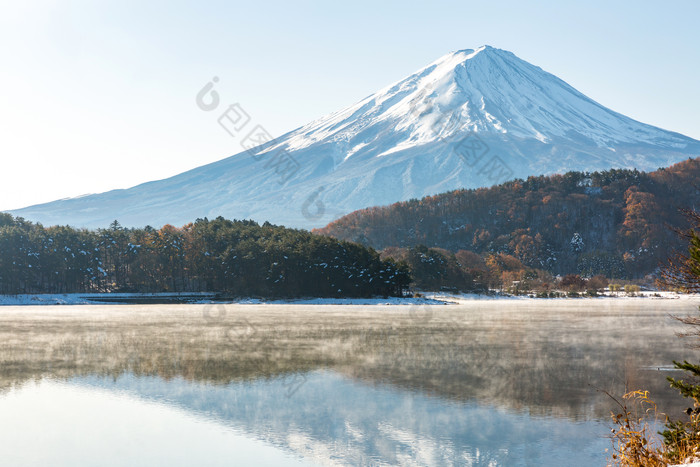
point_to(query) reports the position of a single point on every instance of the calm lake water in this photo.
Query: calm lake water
(490, 383)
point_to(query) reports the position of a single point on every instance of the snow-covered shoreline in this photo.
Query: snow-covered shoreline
(427, 298)
(647, 294)
(94, 299)
(198, 298)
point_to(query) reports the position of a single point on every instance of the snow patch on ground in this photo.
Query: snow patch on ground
(30, 299)
(205, 298)
(364, 301)
(93, 299)
(427, 298)
(470, 298)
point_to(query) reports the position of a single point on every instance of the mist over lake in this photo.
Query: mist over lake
(493, 382)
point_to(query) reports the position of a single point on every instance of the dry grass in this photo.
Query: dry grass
(636, 438)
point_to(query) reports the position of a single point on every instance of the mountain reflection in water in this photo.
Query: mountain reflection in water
(488, 384)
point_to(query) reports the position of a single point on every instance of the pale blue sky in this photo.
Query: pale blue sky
(96, 95)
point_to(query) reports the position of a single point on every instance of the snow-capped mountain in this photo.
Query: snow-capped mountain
(472, 118)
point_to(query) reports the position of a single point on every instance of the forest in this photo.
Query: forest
(517, 236)
(236, 258)
(617, 223)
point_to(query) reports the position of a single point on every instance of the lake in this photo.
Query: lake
(493, 382)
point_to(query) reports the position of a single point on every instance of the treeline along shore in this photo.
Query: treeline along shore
(239, 258)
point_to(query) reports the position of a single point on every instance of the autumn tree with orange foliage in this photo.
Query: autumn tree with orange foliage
(620, 215)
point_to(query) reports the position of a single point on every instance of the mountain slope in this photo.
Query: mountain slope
(472, 118)
(614, 223)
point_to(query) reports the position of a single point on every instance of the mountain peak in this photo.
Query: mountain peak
(471, 53)
(492, 90)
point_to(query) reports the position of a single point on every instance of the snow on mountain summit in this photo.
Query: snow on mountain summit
(472, 118)
(481, 90)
